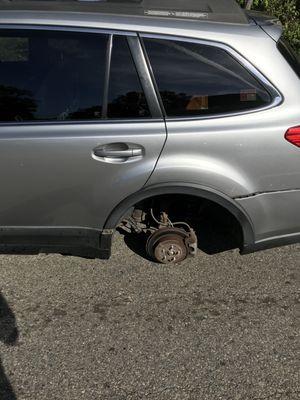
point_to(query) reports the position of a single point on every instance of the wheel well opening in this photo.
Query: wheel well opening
(217, 229)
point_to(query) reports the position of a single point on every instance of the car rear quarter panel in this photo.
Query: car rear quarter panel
(274, 214)
(246, 157)
(238, 155)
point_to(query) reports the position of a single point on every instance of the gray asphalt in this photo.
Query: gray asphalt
(215, 327)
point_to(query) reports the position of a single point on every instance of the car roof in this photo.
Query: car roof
(222, 11)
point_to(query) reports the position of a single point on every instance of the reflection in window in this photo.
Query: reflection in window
(16, 104)
(126, 98)
(50, 76)
(14, 49)
(195, 79)
(59, 76)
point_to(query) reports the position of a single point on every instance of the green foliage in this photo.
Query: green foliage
(288, 11)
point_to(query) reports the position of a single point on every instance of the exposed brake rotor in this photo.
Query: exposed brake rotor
(171, 245)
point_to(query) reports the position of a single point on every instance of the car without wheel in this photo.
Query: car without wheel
(176, 122)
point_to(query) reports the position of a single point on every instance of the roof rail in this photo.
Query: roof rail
(227, 11)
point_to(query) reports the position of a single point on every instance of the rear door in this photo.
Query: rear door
(80, 126)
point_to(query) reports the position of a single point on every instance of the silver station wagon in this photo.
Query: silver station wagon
(175, 122)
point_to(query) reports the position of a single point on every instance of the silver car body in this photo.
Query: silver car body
(52, 185)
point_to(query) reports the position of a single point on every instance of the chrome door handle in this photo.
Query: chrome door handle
(118, 152)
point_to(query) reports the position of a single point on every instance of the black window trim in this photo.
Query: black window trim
(276, 95)
(137, 55)
(289, 54)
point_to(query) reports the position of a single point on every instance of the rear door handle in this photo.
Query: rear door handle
(119, 152)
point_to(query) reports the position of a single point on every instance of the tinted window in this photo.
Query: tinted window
(195, 79)
(290, 55)
(126, 98)
(50, 76)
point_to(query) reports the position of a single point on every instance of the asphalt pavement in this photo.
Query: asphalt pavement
(215, 327)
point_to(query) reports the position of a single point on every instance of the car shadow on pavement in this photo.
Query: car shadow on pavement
(136, 243)
(9, 336)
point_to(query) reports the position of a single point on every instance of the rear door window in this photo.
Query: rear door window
(63, 76)
(51, 75)
(198, 80)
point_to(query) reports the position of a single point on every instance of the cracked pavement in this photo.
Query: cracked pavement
(214, 327)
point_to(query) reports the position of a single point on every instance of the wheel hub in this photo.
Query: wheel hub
(169, 245)
(170, 250)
